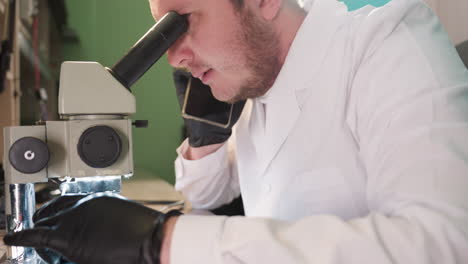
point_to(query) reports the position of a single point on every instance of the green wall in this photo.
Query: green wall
(107, 29)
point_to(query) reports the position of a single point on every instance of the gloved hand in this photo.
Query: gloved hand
(99, 228)
(49, 209)
(199, 133)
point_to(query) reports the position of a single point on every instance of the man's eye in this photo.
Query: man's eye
(187, 16)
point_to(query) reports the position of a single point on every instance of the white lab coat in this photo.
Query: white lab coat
(362, 156)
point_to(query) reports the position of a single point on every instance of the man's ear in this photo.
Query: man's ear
(269, 8)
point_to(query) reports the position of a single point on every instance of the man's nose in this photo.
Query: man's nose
(180, 55)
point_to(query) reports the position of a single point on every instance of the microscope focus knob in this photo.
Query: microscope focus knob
(29, 155)
(99, 146)
(140, 123)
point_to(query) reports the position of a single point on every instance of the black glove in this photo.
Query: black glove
(51, 209)
(56, 206)
(200, 133)
(98, 229)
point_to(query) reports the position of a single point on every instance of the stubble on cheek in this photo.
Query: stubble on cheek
(248, 64)
(260, 47)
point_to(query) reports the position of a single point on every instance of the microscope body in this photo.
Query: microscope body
(88, 150)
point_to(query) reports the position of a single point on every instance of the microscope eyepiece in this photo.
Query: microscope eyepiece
(149, 48)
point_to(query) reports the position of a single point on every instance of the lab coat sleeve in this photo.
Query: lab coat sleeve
(208, 182)
(413, 134)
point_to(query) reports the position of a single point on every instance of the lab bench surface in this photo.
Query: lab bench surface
(156, 194)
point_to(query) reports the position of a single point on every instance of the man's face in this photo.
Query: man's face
(233, 51)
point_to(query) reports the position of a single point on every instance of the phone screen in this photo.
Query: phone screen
(201, 105)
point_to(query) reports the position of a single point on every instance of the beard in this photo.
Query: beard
(261, 51)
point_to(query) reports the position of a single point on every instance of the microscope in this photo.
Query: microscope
(89, 149)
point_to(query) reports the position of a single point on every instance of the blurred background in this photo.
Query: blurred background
(48, 32)
(105, 30)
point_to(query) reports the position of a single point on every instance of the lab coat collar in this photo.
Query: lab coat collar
(284, 99)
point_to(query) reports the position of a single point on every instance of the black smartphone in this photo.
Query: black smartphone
(201, 105)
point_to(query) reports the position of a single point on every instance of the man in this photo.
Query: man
(352, 147)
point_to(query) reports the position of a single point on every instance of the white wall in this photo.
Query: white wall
(454, 17)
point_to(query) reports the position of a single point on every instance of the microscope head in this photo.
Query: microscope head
(87, 88)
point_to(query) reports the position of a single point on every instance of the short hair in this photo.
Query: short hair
(238, 4)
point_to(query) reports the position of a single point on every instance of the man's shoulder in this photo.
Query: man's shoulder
(393, 12)
(371, 26)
